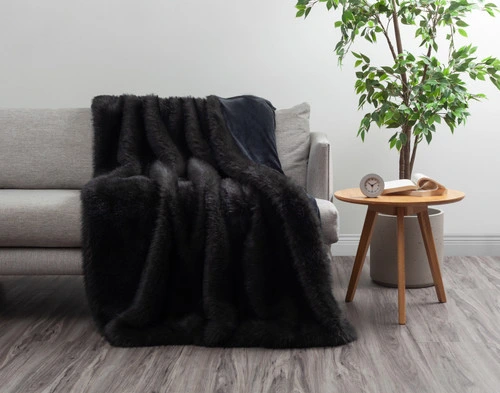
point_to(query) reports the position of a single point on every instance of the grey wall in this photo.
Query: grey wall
(57, 53)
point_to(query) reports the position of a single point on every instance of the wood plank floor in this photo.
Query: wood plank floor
(49, 344)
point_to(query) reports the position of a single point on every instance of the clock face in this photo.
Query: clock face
(372, 185)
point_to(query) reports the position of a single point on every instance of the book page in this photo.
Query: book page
(399, 185)
(426, 183)
(426, 186)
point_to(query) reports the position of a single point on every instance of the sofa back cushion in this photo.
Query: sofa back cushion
(52, 148)
(293, 141)
(45, 148)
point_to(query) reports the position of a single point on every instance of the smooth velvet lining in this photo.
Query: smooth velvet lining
(252, 123)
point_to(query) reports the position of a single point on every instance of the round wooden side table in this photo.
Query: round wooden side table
(400, 206)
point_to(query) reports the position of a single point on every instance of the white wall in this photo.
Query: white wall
(57, 53)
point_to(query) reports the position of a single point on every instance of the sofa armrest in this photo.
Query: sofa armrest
(319, 181)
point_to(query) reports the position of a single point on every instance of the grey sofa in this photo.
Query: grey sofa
(46, 158)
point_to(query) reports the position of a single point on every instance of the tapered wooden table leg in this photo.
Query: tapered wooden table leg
(430, 248)
(364, 243)
(401, 267)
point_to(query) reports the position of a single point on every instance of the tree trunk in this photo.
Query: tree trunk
(405, 155)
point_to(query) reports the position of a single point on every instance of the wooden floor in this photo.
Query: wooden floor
(48, 344)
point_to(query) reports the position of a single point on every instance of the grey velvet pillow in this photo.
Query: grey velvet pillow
(293, 141)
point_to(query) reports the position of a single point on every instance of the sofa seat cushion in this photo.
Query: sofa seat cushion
(52, 218)
(40, 218)
(329, 220)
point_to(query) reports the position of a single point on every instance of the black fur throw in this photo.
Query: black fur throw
(187, 241)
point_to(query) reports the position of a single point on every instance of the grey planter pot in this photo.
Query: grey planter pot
(383, 250)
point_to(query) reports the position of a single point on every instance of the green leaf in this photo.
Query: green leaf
(361, 88)
(358, 62)
(496, 82)
(362, 100)
(388, 116)
(393, 125)
(338, 23)
(489, 60)
(461, 23)
(300, 13)
(462, 32)
(403, 138)
(347, 16)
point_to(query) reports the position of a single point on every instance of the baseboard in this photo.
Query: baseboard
(346, 246)
(454, 245)
(479, 245)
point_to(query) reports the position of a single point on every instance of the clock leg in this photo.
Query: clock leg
(430, 248)
(401, 267)
(364, 243)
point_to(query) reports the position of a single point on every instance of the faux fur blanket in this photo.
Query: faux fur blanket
(188, 241)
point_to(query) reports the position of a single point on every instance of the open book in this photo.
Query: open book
(419, 185)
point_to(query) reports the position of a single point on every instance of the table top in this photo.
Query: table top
(354, 195)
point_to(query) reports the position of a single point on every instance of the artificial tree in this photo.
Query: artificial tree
(414, 91)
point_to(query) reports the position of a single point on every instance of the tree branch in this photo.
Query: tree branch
(429, 50)
(404, 154)
(384, 29)
(389, 42)
(426, 67)
(399, 44)
(416, 141)
(418, 138)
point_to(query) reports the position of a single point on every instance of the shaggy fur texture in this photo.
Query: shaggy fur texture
(187, 241)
